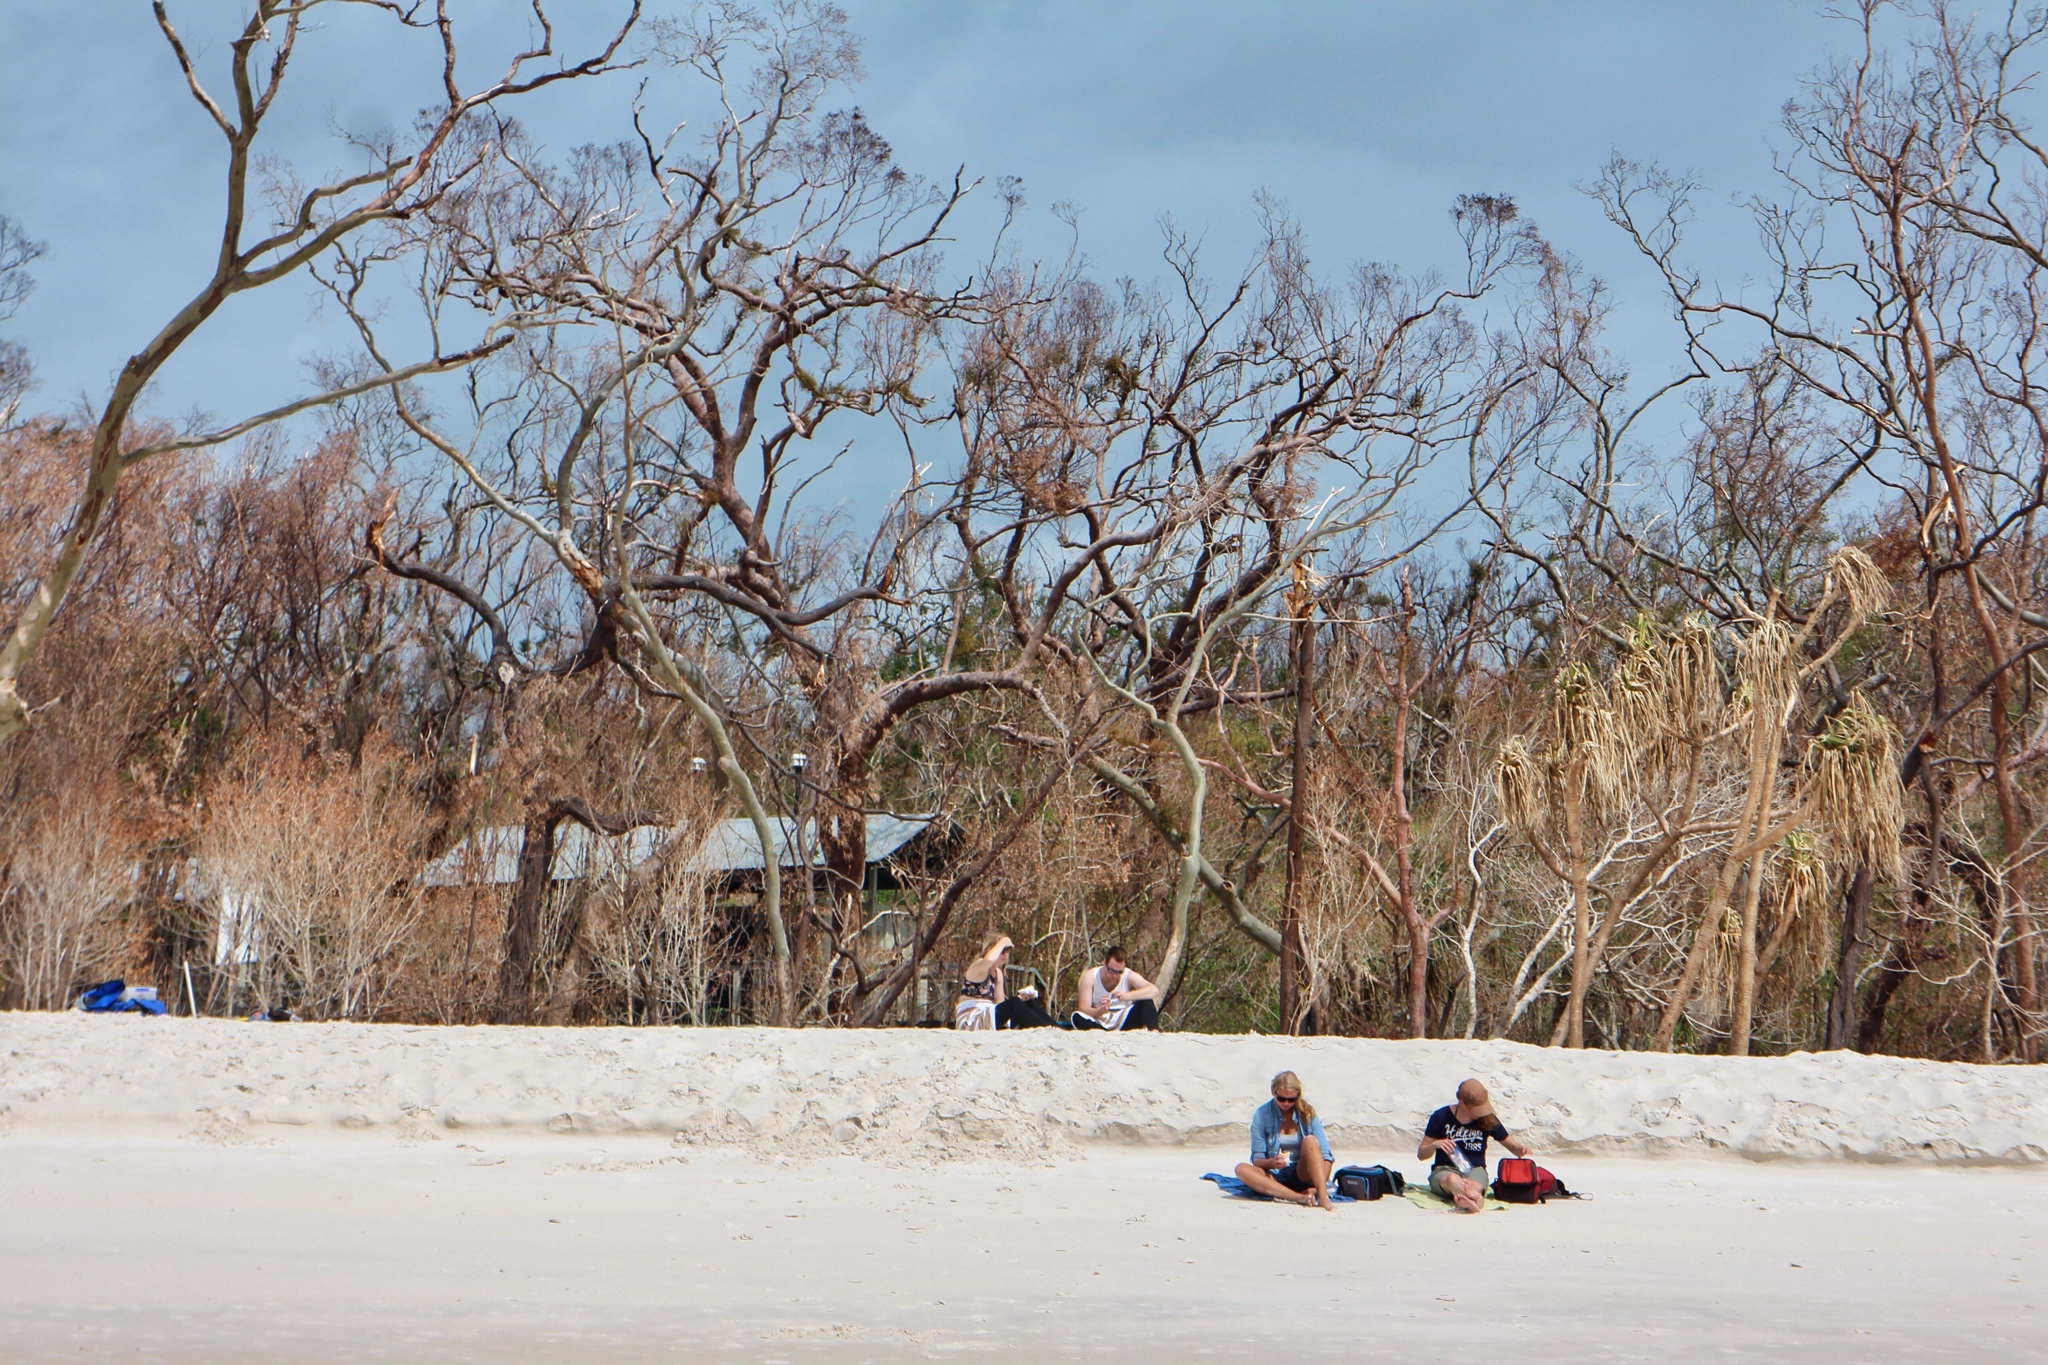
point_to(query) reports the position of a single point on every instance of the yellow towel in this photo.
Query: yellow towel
(1422, 1197)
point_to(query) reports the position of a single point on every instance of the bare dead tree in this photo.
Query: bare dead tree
(17, 252)
(535, 877)
(404, 176)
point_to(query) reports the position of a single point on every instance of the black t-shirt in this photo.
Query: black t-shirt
(1469, 1137)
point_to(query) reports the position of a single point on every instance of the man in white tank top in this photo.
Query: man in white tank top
(1113, 996)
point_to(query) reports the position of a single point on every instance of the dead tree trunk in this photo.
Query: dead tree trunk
(1849, 959)
(530, 892)
(1401, 687)
(1297, 819)
(842, 825)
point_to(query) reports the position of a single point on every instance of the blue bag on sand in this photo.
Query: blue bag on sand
(118, 997)
(102, 998)
(1371, 1182)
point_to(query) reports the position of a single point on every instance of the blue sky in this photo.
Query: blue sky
(1365, 117)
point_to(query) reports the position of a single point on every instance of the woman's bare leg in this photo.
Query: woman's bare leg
(1316, 1171)
(1264, 1183)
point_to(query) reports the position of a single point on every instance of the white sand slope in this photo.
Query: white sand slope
(925, 1095)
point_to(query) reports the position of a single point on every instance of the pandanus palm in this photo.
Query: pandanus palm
(1610, 744)
(1846, 792)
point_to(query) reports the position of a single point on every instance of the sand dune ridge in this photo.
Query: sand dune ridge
(925, 1095)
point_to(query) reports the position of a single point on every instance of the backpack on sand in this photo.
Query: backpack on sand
(1370, 1182)
(1521, 1181)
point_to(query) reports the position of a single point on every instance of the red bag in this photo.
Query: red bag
(1521, 1181)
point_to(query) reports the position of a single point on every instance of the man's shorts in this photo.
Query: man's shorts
(1436, 1182)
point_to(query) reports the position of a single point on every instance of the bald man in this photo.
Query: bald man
(1456, 1138)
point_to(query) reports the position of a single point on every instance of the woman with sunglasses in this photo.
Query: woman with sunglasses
(1291, 1159)
(983, 1004)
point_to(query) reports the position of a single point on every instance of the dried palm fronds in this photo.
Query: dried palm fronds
(1692, 680)
(1853, 783)
(1801, 897)
(1641, 706)
(1523, 787)
(1587, 737)
(1861, 583)
(1769, 674)
(1724, 959)
(1667, 693)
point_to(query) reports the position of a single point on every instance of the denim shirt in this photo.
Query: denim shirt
(1266, 1132)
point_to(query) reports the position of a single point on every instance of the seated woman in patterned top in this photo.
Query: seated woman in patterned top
(982, 1002)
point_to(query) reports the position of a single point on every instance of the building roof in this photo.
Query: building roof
(490, 857)
(735, 846)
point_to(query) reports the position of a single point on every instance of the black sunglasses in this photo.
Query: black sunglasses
(1287, 1099)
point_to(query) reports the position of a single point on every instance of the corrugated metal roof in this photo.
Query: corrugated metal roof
(490, 857)
(734, 846)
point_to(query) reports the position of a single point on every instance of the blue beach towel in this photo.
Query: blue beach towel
(1237, 1189)
(117, 997)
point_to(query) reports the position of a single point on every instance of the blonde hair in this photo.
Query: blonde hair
(1287, 1080)
(988, 949)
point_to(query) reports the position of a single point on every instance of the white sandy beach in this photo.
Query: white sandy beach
(208, 1191)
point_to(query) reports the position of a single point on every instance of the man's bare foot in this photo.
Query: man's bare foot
(1468, 1203)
